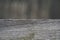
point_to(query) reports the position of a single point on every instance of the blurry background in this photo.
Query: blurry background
(29, 9)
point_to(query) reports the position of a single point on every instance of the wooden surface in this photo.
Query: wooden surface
(44, 29)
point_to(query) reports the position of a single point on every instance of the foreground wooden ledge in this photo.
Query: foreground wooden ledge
(42, 29)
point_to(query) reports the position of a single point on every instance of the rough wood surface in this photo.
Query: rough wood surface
(43, 29)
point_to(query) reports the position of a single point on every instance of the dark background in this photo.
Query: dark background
(29, 9)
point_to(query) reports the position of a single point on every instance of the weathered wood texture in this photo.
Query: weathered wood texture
(44, 29)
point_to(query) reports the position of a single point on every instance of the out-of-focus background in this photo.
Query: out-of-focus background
(29, 9)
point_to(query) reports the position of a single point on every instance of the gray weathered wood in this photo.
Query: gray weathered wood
(42, 28)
